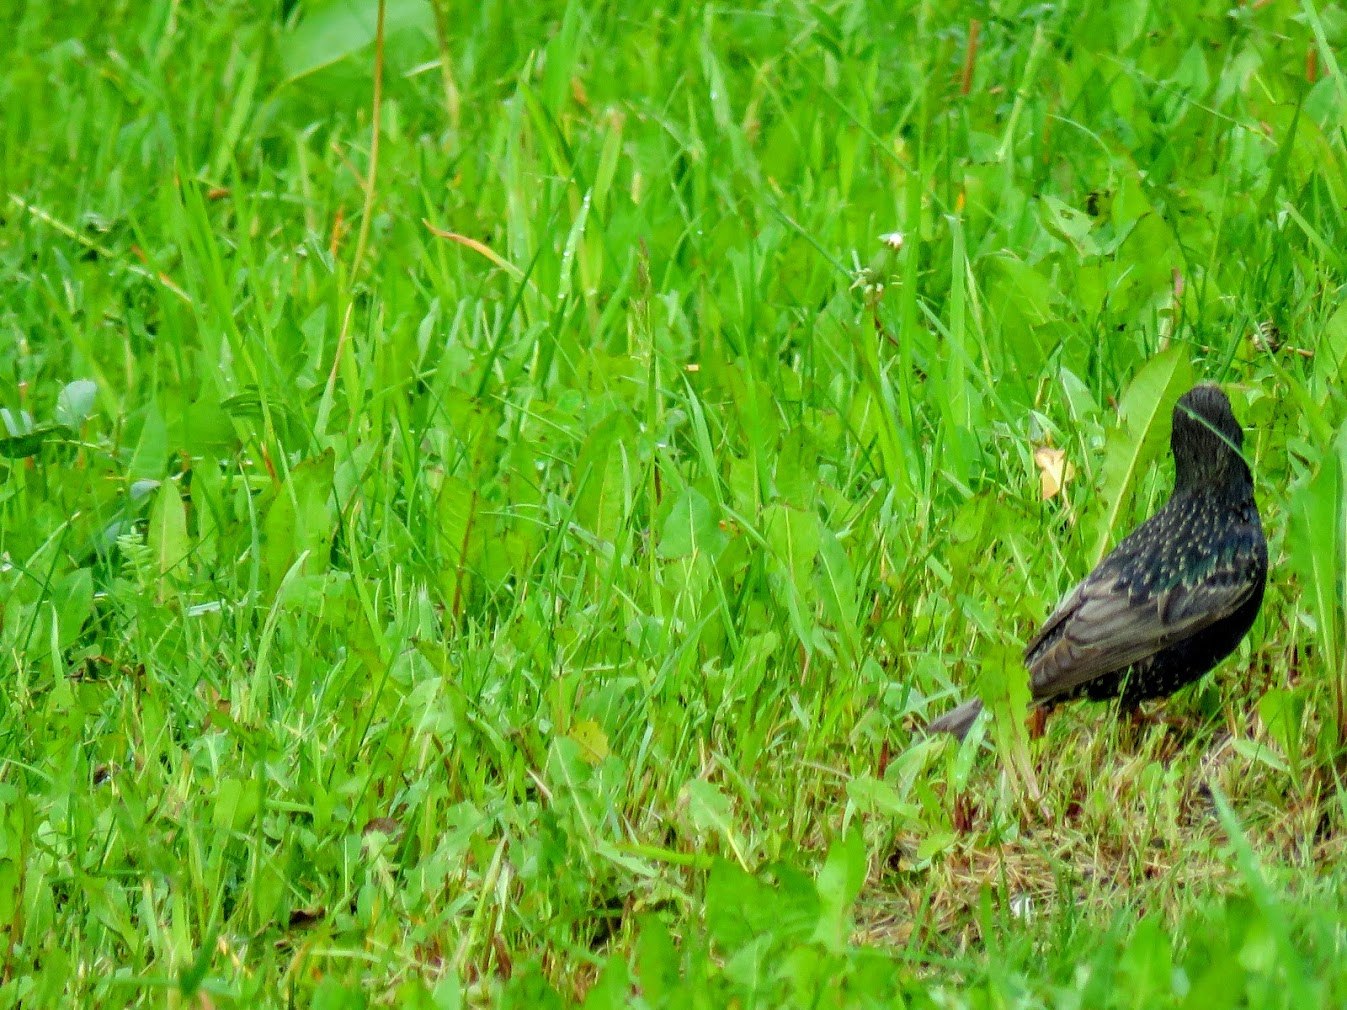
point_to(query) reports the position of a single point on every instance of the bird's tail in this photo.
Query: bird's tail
(957, 721)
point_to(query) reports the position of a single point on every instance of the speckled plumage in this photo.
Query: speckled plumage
(1175, 597)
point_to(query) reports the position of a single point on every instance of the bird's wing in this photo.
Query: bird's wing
(1107, 623)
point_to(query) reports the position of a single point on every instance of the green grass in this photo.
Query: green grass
(516, 575)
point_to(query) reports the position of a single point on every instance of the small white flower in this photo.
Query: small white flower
(892, 239)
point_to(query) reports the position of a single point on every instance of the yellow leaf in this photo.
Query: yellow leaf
(1054, 470)
(592, 740)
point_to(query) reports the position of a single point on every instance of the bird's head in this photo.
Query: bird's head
(1207, 442)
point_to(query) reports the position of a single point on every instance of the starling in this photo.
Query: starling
(1175, 597)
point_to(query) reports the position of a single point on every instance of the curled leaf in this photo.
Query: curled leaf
(1054, 470)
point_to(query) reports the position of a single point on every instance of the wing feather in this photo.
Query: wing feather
(1110, 621)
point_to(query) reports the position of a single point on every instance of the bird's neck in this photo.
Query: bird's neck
(1232, 487)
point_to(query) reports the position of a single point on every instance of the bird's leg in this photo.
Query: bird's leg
(1037, 722)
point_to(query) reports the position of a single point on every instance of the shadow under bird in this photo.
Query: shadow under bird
(1175, 597)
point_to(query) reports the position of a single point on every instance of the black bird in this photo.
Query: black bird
(1175, 597)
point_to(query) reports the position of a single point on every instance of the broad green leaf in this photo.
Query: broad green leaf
(602, 481)
(1026, 304)
(835, 582)
(708, 808)
(73, 598)
(796, 468)
(30, 443)
(658, 965)
(448, 992)
(150, 457)
(1146, 408)
(331, 31)
(458, 508)
(1148, 962)
(207, 427)
(300, 520)
(1003, 685)
(839, 883)
(168, 533)
(1330, 357)
(876, 796)
(1068, 224)
(1148, 256)
(1282, 711)
(793, 540)
(76, 402)
(1317, 544)
(691, 528)
(208, 509)
(710, 812)
(1129, 204)
(236, 803)
(739, 907)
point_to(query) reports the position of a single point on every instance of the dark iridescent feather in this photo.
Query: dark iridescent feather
(1175, 597)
